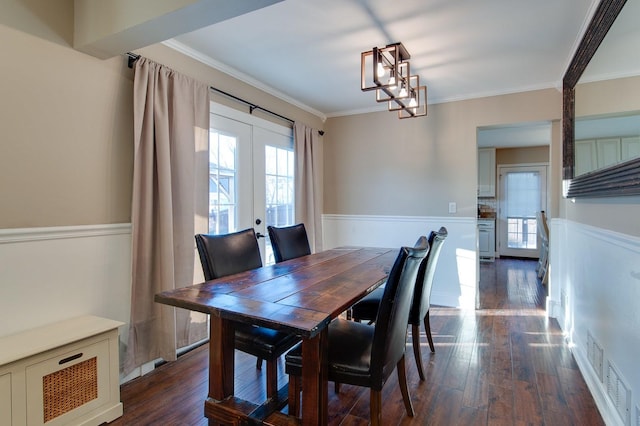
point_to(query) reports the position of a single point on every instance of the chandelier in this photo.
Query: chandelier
(386, 70)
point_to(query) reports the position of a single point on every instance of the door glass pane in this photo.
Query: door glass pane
(523, 202)
(222, 183)
(279, 195)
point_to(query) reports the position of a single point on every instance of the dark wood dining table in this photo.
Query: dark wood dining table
(299, 296)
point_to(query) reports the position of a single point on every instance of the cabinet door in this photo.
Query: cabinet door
(586, 156)
(487, 172)
(5, 399)
(608, 151)
(630, 148)
(483, 242)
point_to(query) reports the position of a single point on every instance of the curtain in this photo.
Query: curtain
(308, 186)
(171, 128)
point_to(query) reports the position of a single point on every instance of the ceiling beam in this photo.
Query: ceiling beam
(109, 28)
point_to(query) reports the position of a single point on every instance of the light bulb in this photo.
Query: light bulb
(381, 72)
(392, 82)
(403, 92)
(413, 103)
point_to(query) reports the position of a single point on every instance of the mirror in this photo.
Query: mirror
(601, 106)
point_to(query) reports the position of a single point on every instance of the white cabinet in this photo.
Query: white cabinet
(64, 373)
(486, 172)
(487, 239)
(594, 154)
(586, 157)
(630, 148)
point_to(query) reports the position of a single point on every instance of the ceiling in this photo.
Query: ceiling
(308, 51)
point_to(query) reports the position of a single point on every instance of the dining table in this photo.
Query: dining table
(299, 296)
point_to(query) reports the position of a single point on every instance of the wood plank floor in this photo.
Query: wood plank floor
(503, 364)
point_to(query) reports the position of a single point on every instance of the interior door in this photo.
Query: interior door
(251, 175)
(522, 193)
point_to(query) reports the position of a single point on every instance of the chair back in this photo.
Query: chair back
(289, 242)
(543, 228)
(228, 254)
(390, 333)
(424, 281)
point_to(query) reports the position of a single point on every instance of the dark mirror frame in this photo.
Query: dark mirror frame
(617, 180)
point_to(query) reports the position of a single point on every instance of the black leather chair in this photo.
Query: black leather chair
(365, 355)
(367, 308)
(229, 254)
(289, 242)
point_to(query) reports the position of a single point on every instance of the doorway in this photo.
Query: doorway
(522, 193)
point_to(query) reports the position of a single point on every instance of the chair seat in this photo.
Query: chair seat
(367, 307)
(262, 342)
(350, 345)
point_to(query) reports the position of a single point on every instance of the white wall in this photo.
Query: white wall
(55, 273)
(594, 291)
(456, 279)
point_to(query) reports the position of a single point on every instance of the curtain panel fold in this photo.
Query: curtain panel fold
(308, 185)
(171, 130)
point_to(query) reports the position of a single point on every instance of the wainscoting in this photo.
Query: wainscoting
(51, 274)
(594, 292)
(456, 279)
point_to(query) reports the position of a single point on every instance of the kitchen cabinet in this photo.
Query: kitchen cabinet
(486, 172)
(487, 240)
(594, 154)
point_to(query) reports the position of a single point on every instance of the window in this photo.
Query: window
(222, 183)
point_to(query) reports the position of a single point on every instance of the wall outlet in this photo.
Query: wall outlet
(453, 207)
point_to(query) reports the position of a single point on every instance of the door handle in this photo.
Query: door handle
(259, 235)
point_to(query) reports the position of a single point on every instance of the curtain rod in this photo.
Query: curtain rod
(132, 58)
(253, 106)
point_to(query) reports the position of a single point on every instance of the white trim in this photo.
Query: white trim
(60, 232)
(605, 407)
(456, 281)
(416, 219)
(627, 242)
(185, 50)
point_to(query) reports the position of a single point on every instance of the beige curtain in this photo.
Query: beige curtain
(308, 186)
(171, 128)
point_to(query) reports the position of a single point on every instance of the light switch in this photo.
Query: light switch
(453, 207)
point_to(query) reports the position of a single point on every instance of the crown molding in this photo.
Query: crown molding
(207, 60)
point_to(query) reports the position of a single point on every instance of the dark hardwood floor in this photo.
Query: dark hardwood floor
(503, 364)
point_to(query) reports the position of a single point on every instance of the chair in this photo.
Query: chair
(367, 308)
(289, 242)
(229, 254)
(543, 259)
(365, 355)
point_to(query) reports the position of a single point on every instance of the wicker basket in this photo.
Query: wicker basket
(69, 388)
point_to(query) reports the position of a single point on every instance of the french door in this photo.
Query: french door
(251, 175)
(522, 194)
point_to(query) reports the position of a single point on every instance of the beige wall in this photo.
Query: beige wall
(378, 164)
(533, 154)
(66, 135)
(67, 129)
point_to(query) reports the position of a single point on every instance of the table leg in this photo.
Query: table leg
(221, 361)
(314, 380)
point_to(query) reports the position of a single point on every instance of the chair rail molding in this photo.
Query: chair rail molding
(12, 235)
(456, 280)
(53, 273)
